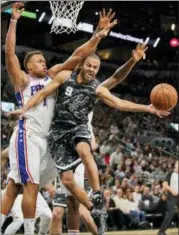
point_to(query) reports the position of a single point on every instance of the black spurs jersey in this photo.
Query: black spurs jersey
(74, 102)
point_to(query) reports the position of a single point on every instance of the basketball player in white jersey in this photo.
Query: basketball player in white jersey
(29, 155)
(42, 209)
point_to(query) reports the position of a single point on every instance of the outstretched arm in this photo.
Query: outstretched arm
(46, 91)
(121, 73)
(87, 48)
(17, 76)
(124, 105)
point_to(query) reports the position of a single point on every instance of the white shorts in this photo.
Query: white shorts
(30, 159)
(41, 207)
(78, 176)
(61, 192)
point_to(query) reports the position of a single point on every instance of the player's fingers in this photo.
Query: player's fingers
(100, 15)
(21, 10)
(104, 12)
(159, 115)
(19, 5)
(167, 113)
(145, 49)
(138, 46)
(143, 46)
(112, 16)
(109, 12)
(112, 24)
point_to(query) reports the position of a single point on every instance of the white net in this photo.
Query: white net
(65, 15)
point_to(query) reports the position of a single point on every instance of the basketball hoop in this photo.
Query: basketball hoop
(65, 15)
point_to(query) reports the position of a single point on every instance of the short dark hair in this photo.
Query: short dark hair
(29, 56)
(95, 56)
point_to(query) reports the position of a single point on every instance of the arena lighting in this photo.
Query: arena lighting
(173, 27)
(51, 19)
(156, 42)
(42, 16)
(126, 37)
(175, 126)
(85, 27)
(174, 42)
(147, 40)
(28, 14)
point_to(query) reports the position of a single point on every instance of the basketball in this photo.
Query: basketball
(164, 96)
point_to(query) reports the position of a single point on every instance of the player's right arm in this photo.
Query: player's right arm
(17, 76)
(121, 73)
(127, 106)
(48, 90)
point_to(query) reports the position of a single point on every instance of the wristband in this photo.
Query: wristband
(15, 21)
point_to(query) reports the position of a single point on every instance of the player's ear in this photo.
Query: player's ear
(29, 66)
(78, 67)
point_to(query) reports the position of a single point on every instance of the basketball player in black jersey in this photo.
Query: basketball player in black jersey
(70, 137)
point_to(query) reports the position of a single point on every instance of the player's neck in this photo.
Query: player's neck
(33, 75)
(80, 80)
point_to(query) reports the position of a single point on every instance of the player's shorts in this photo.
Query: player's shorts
(62, 193)
(30, 159)
(63, 143)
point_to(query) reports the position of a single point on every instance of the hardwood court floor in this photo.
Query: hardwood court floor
(141, 232)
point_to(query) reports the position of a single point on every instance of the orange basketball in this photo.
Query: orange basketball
(164, 96)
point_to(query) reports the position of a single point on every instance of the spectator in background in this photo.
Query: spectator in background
(133, 181)
(110, 206)
(116, 157)
(116, 185)
(137, 195)
(124, 185)
(119, 173)
(133, 210)
(157, 191)
(162, 204)
(146, 204)
(107, 158)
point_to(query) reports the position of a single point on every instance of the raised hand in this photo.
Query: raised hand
(17, 9)
(105, 19)
(103, 33)
(139, 52)
(159, 113)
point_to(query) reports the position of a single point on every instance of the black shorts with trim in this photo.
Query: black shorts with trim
(62, 143)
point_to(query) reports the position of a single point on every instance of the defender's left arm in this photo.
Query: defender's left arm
(122, 72)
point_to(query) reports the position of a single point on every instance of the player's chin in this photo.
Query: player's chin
(43, 74)
(89, 78)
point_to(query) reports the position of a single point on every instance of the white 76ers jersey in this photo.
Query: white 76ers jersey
(37, 119)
